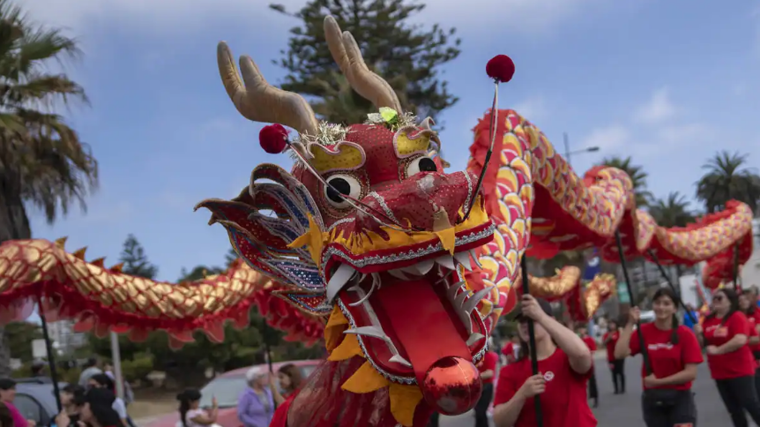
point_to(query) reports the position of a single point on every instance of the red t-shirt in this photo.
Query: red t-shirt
(280, 417)
(590, 343)
(563, 402)
(665, 357)
(488, 362)
(614, 337)
(738, 363)
(754, 320)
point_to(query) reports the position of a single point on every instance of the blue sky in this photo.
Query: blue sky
(667, 82)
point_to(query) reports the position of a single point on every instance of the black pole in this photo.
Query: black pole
(50, 356)
(644, 353)
(265, 338)
(531, 339)
(736, 268)
(672, 286)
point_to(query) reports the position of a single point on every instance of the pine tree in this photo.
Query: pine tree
(135, 261)
(231, 257)
(406, 55)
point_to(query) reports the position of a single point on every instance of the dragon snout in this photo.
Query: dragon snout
(421, 200)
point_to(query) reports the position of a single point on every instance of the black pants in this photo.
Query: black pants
(757, 382)
(681, 410)
(433, 421)
(739, 395)
(593, 390)
(481, 409)
(618, 375)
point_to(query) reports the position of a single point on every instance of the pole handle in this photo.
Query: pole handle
(531, 341)
(642, 345)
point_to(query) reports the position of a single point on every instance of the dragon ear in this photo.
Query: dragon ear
(262, 239)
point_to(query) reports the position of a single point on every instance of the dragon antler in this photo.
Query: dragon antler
(259, 101)
(345, 51)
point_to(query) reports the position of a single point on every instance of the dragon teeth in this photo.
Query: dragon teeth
(464, 259)
(446, 261)
(473, 301)
(342, 275)
(424, 267)
(398, 273)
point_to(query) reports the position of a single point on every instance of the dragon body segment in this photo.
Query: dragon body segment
(402, 267)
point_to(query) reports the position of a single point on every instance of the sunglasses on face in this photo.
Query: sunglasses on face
(718, 298)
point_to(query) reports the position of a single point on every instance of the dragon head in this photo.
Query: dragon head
(369, 230)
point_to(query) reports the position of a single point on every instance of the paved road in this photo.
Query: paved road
(625, 410)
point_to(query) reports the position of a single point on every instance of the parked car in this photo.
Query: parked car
(227, 388)
(35, 399)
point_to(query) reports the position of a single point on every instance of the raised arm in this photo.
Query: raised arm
(623, 346)
(577, 351)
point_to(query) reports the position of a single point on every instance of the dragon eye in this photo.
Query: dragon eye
(346, 185)
(421, 164)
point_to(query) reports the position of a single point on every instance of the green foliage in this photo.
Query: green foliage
(672, 212)
(138, 367)
(406, 55)
(728, 177)
(198, 273)
(637, 175)
(19, 337)
(43, 160)
(135, 260)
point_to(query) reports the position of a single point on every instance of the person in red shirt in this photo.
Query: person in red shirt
(725, 331)
(673, 353)
(753, 316)
(593, 390)
(511, 350)
(564, 365)
(617, 366)
(487, 368)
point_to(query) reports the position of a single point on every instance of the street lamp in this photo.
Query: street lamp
(569, 153)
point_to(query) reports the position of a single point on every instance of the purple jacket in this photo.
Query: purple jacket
(252, 412)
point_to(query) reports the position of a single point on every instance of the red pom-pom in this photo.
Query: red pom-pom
(500, 68)
(273, 138)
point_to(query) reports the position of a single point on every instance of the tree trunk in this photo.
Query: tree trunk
(14, 224)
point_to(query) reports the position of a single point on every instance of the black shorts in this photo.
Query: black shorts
(680, 410)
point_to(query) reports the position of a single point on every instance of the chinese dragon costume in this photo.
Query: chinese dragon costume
(403, 269)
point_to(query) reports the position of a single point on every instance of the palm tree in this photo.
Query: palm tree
(672, 212)
(727, 178)
(637, 175)
(42, 161)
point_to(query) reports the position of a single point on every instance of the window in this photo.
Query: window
(225, 389)
(29, 408)
(307, 370)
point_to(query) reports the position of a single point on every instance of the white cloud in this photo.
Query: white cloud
(662, 132)
(678, 134)
(533, 109)
(658, 109)
(608, 139)
(529, 16)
